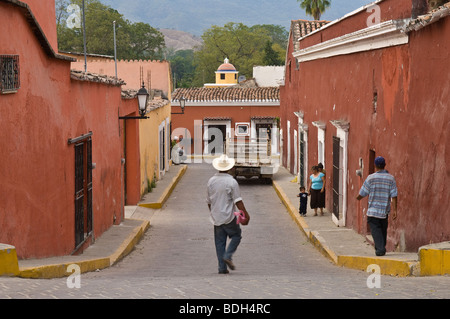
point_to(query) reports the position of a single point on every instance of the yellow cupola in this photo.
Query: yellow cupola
(226, 75)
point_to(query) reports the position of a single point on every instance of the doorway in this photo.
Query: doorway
(216, 139)
(83, 191)
(215, 136)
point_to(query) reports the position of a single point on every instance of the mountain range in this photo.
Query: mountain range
(195, 16)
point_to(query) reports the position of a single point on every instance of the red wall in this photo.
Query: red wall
(130, 152)
(237, 113)
(390, 9)
(44, 11)
(410, 128)
(37, 170)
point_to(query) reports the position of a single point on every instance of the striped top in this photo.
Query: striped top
(380, 187)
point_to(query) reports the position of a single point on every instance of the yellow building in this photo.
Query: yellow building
(154, 142)
(226, 75)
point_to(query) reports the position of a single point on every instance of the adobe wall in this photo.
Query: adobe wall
(389, 9)
(44, 11)
(155, 72)
(410, 127)
(38, 175)
(237, 113)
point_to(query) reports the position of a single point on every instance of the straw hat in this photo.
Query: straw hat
(223, 163)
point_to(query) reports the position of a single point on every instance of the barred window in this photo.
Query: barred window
(9, 73)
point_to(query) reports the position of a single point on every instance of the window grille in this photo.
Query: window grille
(9, 73)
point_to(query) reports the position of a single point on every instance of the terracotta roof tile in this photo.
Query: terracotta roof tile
(152, 104)
(429, 18)
(93, 77)
(233, 94)
(301, 28)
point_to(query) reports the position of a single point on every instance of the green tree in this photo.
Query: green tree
(314, 8)
(183, 69)
(278, 33)
(242, 45)
(271, 57)
(145, 41)
(134, 40)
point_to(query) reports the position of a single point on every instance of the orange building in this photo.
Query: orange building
(156, 74)
(61, 173)
(153, 134)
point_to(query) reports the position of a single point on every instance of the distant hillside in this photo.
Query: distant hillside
(180, 40)
(195, 16)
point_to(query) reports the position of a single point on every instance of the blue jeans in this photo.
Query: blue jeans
(221, 233)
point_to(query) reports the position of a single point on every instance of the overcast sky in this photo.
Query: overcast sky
(195, 16)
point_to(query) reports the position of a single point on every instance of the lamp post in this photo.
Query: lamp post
(182, 105)
(142, 96)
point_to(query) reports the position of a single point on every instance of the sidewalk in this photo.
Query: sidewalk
(112, 245)
(341, 245)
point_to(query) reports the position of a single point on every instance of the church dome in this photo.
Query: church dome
(227, 66)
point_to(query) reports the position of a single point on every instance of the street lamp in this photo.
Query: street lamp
(182, 105)
(142, 96)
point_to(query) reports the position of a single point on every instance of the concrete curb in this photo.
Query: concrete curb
(8, 260)
(394, 267)
(167, 192)
(435, 259)
(88, 265)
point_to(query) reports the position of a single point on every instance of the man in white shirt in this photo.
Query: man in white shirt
(223, 196)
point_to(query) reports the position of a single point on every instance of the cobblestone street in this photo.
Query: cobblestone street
(176, 259)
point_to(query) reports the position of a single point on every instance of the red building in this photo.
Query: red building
(61, 174)
(375, 82)
(226, 108)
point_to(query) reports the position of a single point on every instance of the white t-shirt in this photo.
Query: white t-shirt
(222, 194)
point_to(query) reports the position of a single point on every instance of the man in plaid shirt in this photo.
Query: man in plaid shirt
(381, 189)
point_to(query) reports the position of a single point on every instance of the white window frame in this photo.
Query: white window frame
(288, 145)
(321, 128)
(239, 124)
(296, 152)
(302, 128)
(342, 132)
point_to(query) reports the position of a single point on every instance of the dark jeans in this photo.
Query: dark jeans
(378, 228)
(221, 233)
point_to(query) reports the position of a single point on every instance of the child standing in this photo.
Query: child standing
(303, 201)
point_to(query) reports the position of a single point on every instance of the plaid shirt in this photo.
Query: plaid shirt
(380, 187)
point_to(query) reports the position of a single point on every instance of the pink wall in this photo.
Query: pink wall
(44, 11)
(410, 128)
(156, 73)
(37, 175)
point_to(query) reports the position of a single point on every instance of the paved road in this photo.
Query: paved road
(176, 259)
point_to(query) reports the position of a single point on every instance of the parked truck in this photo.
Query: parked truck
(253, 157)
